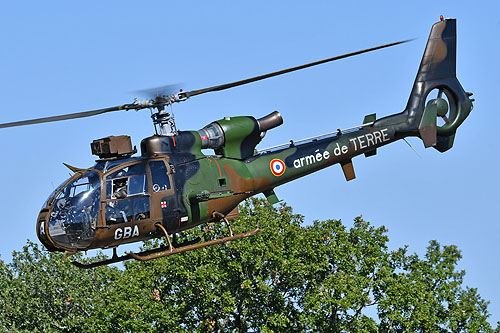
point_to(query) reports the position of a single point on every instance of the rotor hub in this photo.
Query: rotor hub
(442, 107)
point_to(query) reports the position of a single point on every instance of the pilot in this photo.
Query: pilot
(120, 186)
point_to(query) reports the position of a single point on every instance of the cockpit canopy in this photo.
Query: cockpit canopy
(112, 193)
(73, 219)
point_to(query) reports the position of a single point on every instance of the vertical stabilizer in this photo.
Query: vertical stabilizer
(450, 102)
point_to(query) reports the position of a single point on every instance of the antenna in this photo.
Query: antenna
(412, 148)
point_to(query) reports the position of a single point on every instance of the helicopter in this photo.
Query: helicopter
(174, 186)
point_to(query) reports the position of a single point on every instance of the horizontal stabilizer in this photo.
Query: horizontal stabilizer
(348, 170)
(371, 153)
(370, 118)
(271, 197)
(428, 124)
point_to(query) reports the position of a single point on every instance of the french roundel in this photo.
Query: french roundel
(277, 167)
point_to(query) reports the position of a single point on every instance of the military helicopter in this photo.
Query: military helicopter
(173, 186)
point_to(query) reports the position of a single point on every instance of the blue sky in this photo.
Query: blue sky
(63, 57)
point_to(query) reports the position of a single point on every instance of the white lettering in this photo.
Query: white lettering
(42, 228)
(354, 142)
(136, 231)
(385, 135)
(311, 159)
(361, 140)
(369, 138)
(127, 232)
(337, 151)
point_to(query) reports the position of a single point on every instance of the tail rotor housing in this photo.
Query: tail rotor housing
(437, 71)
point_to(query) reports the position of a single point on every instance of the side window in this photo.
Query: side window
(141, 208)
(128, 181)
(118, 212)
(159, 176)
(135, 169)
(137, 185)
(124, 188)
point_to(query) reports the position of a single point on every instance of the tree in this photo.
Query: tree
(427, 294)
(42, 292)
(289, 277)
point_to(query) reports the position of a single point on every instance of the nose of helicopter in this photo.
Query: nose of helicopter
(69, 219)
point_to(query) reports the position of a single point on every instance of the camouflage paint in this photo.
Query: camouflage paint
(204, 186)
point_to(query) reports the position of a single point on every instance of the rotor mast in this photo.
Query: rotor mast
(164, 122)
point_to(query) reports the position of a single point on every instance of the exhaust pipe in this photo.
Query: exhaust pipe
(270, 121)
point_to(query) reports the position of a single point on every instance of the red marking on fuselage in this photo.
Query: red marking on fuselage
(220, 173)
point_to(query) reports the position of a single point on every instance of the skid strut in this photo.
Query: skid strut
(164, 251)
(172, 250)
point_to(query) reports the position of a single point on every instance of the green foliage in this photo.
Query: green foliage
(289, 277)
(427, 295)
(42, 292)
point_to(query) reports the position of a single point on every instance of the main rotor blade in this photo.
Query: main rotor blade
(188, 94)
(288, 70)
(68, 116)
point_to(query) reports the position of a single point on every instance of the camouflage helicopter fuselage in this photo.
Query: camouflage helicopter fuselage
(182, 187)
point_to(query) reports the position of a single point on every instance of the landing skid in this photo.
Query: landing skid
(165, 251)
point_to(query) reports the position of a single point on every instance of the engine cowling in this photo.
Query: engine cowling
(237, 137)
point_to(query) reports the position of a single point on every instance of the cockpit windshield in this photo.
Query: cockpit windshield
(73, 220)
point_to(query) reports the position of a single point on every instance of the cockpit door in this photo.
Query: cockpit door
(127, 195)
(164, 202)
